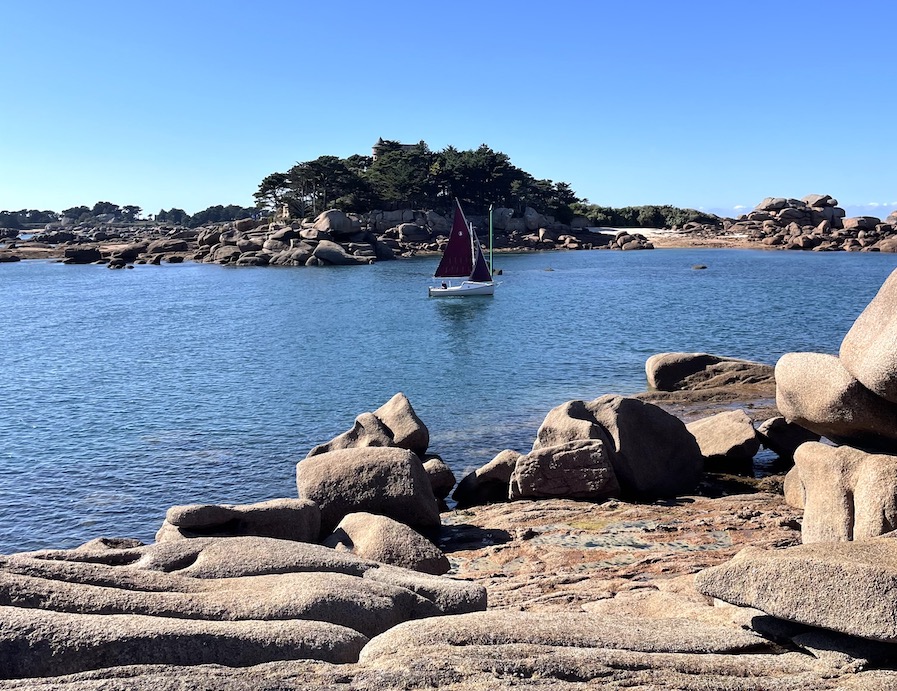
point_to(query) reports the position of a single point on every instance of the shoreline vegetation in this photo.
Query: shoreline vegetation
(335, 237)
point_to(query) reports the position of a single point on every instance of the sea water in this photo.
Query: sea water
(125, 392)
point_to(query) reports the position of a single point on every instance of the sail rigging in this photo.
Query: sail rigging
(463, 263)
(463, 255)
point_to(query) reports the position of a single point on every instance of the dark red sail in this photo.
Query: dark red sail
(463, 255)
(480, 268)
(457, 259)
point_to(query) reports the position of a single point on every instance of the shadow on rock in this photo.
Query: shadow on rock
(458, 538)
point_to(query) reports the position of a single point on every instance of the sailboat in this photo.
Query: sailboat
(463, 268)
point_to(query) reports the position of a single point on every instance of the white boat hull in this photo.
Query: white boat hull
(463, 288)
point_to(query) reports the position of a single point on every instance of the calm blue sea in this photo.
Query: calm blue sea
(125, 392)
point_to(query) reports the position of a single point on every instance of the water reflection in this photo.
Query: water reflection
(462, 319)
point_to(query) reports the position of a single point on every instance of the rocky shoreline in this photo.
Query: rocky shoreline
(639, 544)
(335, 238)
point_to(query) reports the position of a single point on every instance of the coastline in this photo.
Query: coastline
(26, 250)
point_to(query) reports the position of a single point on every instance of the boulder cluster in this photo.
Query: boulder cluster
(309, 578)
(332, 238)
(815, 222)
(848, 487)
(844, 576)
(323, 576)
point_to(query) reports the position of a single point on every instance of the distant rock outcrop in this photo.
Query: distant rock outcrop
(815, 222)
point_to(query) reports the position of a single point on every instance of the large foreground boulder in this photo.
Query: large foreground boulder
(651, 451)
(654, 454)
(847, 494)
(562, 629)
(847, 587)
(388, 481)
(869, 350)
(576, 470)
(816, 392)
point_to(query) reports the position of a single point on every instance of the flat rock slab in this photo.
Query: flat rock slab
(362, 604)
(847, 587)
(702, 371)
(558, 554)
(37, 643)
(626, 564)
(476, 668)
(237, 601)
(565, 630)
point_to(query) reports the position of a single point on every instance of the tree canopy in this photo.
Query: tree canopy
(414, 176)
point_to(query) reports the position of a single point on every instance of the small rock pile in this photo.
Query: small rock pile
(626, 240)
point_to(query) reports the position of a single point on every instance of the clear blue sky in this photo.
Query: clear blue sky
(702, 104)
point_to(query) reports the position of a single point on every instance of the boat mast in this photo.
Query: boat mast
(473, 249)
(491, 271)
